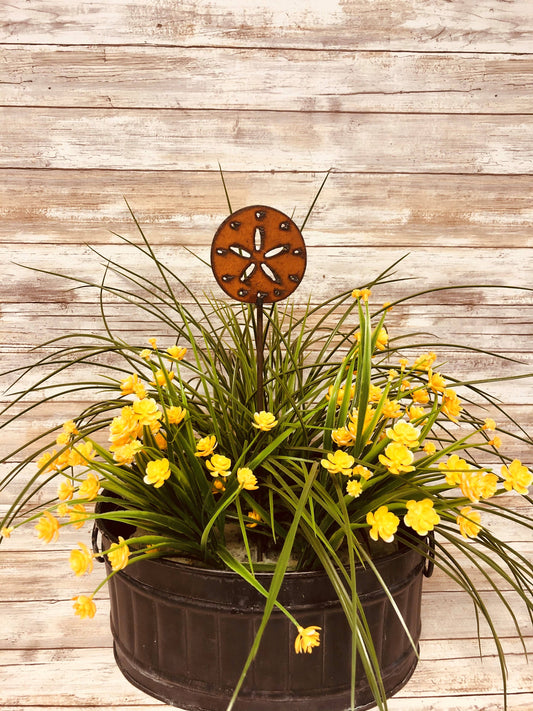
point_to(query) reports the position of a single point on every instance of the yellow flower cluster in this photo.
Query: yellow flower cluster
(219, 465)
(118, 554)
(307, 639)
(264, 421)
(157, 472)
(84, 606)
(474, 484)
(383, 524)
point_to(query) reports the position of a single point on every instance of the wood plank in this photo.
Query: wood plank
(77, 687)
(191, 78)
(473, 702)
(433, 320)
(367, 210)
(488, 25)
(328, 271)
(198, 140)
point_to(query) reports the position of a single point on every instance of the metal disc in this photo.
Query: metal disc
(258, 254)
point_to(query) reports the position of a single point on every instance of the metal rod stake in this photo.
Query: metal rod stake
(259, 348)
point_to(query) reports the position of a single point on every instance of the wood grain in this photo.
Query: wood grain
(185, 208)
(167, 139)
(486, 25)
(296, 80)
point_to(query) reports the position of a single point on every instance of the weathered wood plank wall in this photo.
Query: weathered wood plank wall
(422, 109)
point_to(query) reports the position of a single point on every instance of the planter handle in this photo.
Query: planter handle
(94, 539)
(429, 564)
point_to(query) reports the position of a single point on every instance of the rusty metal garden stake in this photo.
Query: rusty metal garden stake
(258, 256)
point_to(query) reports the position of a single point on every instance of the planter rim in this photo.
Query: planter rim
(171, 563)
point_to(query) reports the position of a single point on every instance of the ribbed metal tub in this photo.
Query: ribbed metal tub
(182, 634)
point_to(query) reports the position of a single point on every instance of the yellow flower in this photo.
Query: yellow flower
(161, 441)
(340, 394)
(6, 531)
(307, 639)
(387, 305)
(126, 453)
(81, 453)
(363, 472)
(47, 528)
(124, 428)
(391, 409)
(219, 465)
(161, 377)
(77, 515)
(342, 437)
(218, 486)
(420, 396)
(415, 412)
(62, 510)
(454, 467)
(81, 561)
(255, 516)
(157, 472)
(90, 487)
(421, 516)
(489, 424)
(130, 384)
(264, 421)
(468, 522)
(145, 354)
(430, 448)
(517, 477)
(247, 479)
(118, 554)
(478, 485)
(146, 412)
(44, 460)
(374, 393)
(354, 488)
(63, 460)
(397, 458)
(363, 294)
(451, 405)
(177, 352)
(176, 414)
(65, 490)
(436, 382)
(140, 391)
(495, 442)
(424, 362)
(206, 446)
(404, 363)
(404, 433)
(382, 339)
(153, 342)
(392, 374)
(69, 427)
(384, 524)
(84, 606)
(354, 416)
(339, 462)
(63, 438)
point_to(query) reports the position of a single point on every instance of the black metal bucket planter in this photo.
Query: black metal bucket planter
(182, 634)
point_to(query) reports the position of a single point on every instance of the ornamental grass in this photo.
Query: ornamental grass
(365, 440)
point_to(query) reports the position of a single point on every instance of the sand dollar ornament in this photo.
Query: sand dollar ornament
(258, 255)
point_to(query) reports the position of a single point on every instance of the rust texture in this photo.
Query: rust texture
(258, 255)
